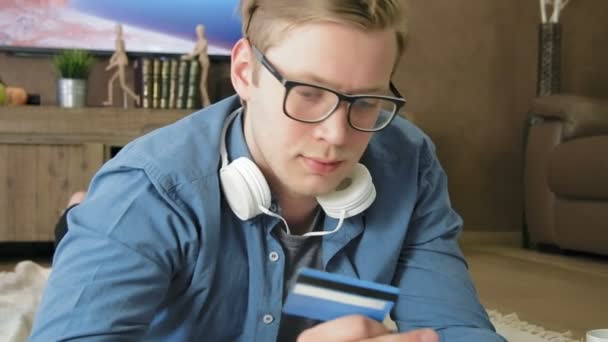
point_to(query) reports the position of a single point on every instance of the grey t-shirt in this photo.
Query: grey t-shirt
(300, 251)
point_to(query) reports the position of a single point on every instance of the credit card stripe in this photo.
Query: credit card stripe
(342, 287)
(340, 297)
(340, 278)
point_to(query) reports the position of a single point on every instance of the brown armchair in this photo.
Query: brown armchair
(566, 173)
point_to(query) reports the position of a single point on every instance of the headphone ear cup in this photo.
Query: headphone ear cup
(245, 188)
(353, 198)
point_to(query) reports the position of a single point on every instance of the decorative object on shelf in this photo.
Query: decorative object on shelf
(168, 82)
(120, 61)
(2, 93)
(15, 96)
(200, 51)
(33, 99)
(549, 47)
(72, 68)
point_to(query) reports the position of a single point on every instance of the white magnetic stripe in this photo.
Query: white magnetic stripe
(340, 297)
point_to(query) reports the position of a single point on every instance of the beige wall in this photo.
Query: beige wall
(469, 73)
(585, 43)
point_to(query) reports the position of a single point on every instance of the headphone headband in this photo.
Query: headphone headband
(228, 120)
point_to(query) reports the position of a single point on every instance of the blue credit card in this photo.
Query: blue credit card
(325, 296)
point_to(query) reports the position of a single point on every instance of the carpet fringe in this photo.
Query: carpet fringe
(512, 320)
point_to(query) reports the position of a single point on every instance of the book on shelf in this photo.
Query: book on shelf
(164, 83)
(156, 69)
(193, 98)
(182, 84)
(137, 80)
(173, 82)
(143, 84)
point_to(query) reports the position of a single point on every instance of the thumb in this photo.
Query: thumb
(420, 335)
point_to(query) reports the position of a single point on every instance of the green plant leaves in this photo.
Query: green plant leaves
(73, 64)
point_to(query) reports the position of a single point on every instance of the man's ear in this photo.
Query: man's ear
(241, 69)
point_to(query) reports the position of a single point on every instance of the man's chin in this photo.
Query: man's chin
(315, 189)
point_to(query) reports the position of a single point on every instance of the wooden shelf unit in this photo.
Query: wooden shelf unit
(47, 153)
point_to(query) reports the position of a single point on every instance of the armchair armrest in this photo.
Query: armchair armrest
(582, 116)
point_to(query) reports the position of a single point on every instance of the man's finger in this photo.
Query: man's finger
(421, 335)
(344, 329)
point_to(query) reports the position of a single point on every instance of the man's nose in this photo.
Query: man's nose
(335, 128)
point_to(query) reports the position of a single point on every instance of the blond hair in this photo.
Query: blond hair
(266, 21)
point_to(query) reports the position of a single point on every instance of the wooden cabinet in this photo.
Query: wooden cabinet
(47, 153)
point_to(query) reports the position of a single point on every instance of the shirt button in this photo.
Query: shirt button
(267, 319)
(273, 256)
(273, 208)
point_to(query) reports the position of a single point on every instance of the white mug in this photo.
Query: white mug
(599, 335)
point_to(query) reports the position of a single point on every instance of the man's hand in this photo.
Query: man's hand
(360, 328)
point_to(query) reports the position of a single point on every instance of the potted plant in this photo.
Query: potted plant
(72, 67)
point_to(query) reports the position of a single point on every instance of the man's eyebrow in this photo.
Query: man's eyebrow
(316, 79)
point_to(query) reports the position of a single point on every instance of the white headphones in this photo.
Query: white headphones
(248, 193)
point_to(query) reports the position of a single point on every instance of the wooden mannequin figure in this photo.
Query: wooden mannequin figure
(200, 50)
(120, 61)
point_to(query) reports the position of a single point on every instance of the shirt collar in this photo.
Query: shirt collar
(236, 146)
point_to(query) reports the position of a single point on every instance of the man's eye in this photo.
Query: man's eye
(309, 94)
(366, 103)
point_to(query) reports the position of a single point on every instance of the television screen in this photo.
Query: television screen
(149, 26)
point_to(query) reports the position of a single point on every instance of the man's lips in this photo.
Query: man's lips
(321, 166)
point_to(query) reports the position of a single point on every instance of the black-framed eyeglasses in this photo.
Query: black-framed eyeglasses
(312, 103)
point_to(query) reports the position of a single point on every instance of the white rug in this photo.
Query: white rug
(515, 330)
(20, 293)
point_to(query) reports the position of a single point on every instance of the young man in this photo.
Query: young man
(184, 239)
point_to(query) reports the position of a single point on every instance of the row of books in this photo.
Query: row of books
(168, 83)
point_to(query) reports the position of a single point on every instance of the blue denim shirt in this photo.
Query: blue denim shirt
(156, 254)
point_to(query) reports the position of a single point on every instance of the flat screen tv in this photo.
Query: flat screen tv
(149, 26)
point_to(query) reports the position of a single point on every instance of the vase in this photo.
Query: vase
(71, 93)
(549, 59)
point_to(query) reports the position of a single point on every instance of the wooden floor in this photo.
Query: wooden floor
(558, 292)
